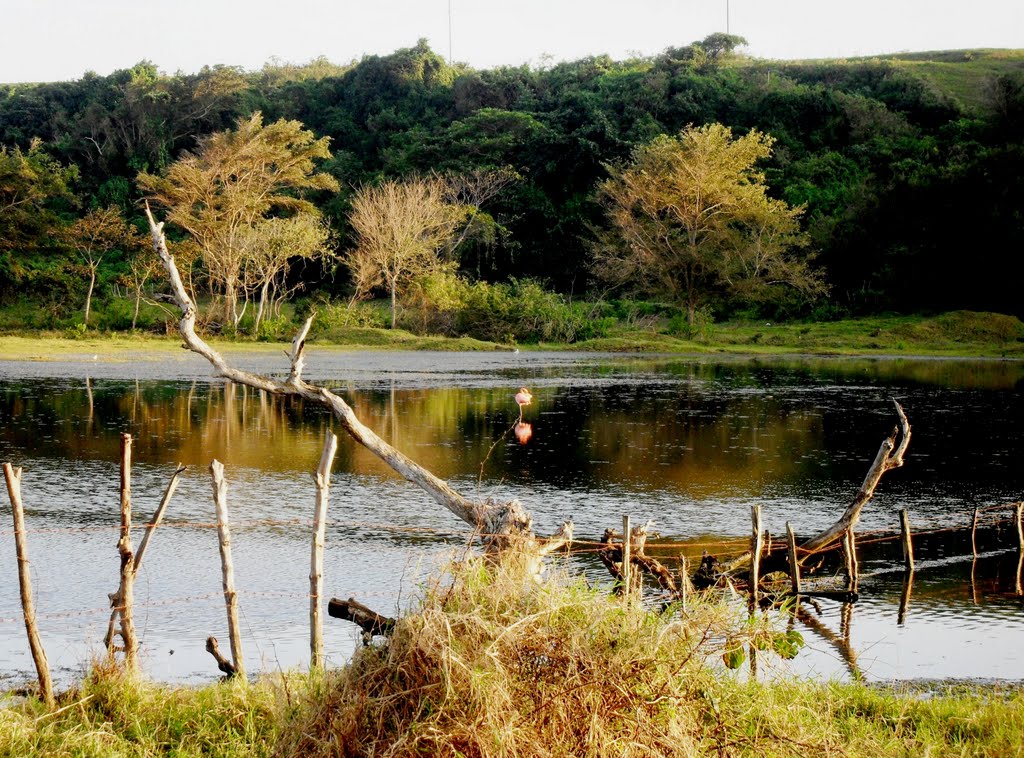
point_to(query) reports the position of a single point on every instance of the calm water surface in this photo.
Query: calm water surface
(688, 442)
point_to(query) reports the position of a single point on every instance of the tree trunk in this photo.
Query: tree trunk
(394, 310)
(138, 302)
(88, 295)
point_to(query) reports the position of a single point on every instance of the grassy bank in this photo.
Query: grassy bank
(960, 333)
(492, 664)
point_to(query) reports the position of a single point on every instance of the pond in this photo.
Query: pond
(690, 442)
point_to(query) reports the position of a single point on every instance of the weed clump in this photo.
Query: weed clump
(492, 665)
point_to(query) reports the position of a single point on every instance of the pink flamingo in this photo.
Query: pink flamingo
(523, 397)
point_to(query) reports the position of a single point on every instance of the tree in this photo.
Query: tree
(29, 181)
(272, 247)
(401, 229)
(234, 183)
(690, 216)
(94, 236)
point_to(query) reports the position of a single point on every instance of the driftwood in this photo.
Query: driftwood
(222, 663)
(501, 525)
(371, 622)
(889, 456)
(620, 557)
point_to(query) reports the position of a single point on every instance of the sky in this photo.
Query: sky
(54, 40)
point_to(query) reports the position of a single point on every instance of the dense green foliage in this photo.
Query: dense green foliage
(911, 170)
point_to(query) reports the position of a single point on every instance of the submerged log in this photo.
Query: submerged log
(222, 663)
(372, 623)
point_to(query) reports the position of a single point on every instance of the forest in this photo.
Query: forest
(887, 185)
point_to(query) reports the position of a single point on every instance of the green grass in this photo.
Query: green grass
(959, 333)
(492, 663)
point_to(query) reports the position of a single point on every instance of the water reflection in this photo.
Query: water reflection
(691, 443)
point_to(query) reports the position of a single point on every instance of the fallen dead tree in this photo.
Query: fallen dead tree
(501, 525)
(615, 553)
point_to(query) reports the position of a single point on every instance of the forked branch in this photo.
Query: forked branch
(495, 521)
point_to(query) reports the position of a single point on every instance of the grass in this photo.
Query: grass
(958, 333)
(492, 664)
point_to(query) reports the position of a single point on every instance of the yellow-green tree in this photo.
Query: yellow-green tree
(690, 216)
(224, 194)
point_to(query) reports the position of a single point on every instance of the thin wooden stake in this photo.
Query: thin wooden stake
(756, 547)
(154, 522)
(124, 598)
(627, 575)
(974, 534)
(794, 562)
(220, 491)
(322, 477)
(684, 581)
(906, 541)
(13, 477)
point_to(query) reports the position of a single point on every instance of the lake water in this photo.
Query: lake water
(691, 442)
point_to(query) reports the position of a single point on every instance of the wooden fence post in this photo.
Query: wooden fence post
(124, 599)
(756, 547)
(974, 534)
(906, 541)
(220, 489)
(13, 477)
(794, 562)
(684, 581)
(627, 574)
(154, 522)
(322, 477)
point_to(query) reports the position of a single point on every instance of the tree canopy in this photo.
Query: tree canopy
(690, 215)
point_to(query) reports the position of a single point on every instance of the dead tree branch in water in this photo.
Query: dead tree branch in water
(502, 525)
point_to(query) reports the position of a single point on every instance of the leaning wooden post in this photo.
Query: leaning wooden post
(220, 490)
(756, 547)
(974, 534)
(13, 477)
(627, 575)
(794, 562)
(905, 540)
(125, 597)
(322, 477)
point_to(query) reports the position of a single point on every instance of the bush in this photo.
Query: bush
(519, 311)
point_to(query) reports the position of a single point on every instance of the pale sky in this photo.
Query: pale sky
(51, 40)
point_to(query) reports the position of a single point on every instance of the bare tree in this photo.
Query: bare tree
(96, 235)
(401, 229)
